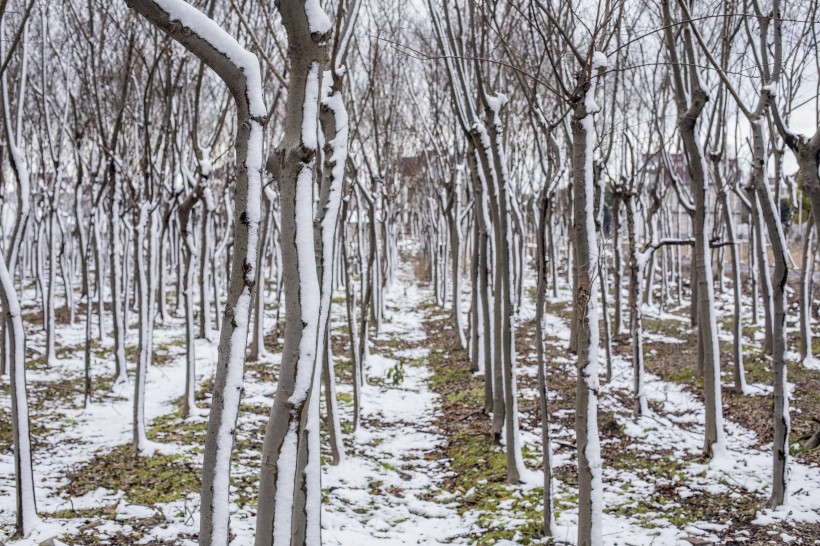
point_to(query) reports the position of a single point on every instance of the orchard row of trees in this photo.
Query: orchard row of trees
(284, 150)
(666, 115)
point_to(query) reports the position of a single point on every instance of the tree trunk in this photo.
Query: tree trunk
(543, 391)
(618, 322)
(636, 267)
(257, 348)
(590, 493)
(239, 69)
(116, 255)
(806, 338)
(140, 441)
(737, 325)
(771, 215)
(27, 519)
(290, 490)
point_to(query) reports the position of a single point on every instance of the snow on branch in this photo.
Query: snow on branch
(237, 66)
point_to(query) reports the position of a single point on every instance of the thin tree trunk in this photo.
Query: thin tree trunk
(806, 337)
(737, 325)
(117, 310)
(257, 348)
(590, 493)
(543, 391)
(618, 324)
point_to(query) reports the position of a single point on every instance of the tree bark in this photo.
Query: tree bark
(290, 491)
(590, 493)
(239, 69)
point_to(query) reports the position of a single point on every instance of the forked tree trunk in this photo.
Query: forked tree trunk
(290, 491)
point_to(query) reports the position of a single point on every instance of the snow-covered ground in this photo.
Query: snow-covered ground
(388, 491)
(385, 492)
(675, 431)
(391, 487)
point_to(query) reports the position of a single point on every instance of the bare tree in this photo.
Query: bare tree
(239, 69)
(289, 490)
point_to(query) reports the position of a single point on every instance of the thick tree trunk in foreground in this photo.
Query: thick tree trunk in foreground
(239, 69)
(290, 490)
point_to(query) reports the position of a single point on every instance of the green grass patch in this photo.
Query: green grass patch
(171, 427)
(108, 512)
(145, 480)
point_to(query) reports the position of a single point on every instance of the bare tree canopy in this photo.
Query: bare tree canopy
(368, 272)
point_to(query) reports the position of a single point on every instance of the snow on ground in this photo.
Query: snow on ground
(386, 492)
(676, 430)
(76, 433)
(390, 489)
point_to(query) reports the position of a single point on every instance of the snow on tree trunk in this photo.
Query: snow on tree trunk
(117, 299)
(140, 440)
(456, 237)
(636, 273)
(239, 69)
(257, 348)
(334, 121)
(590, 492)
(805, 296)
(771, 215)
(737, 325)
(288, 510)
(188, 245)
(690, 104)
(27, 519)
(13, 331)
